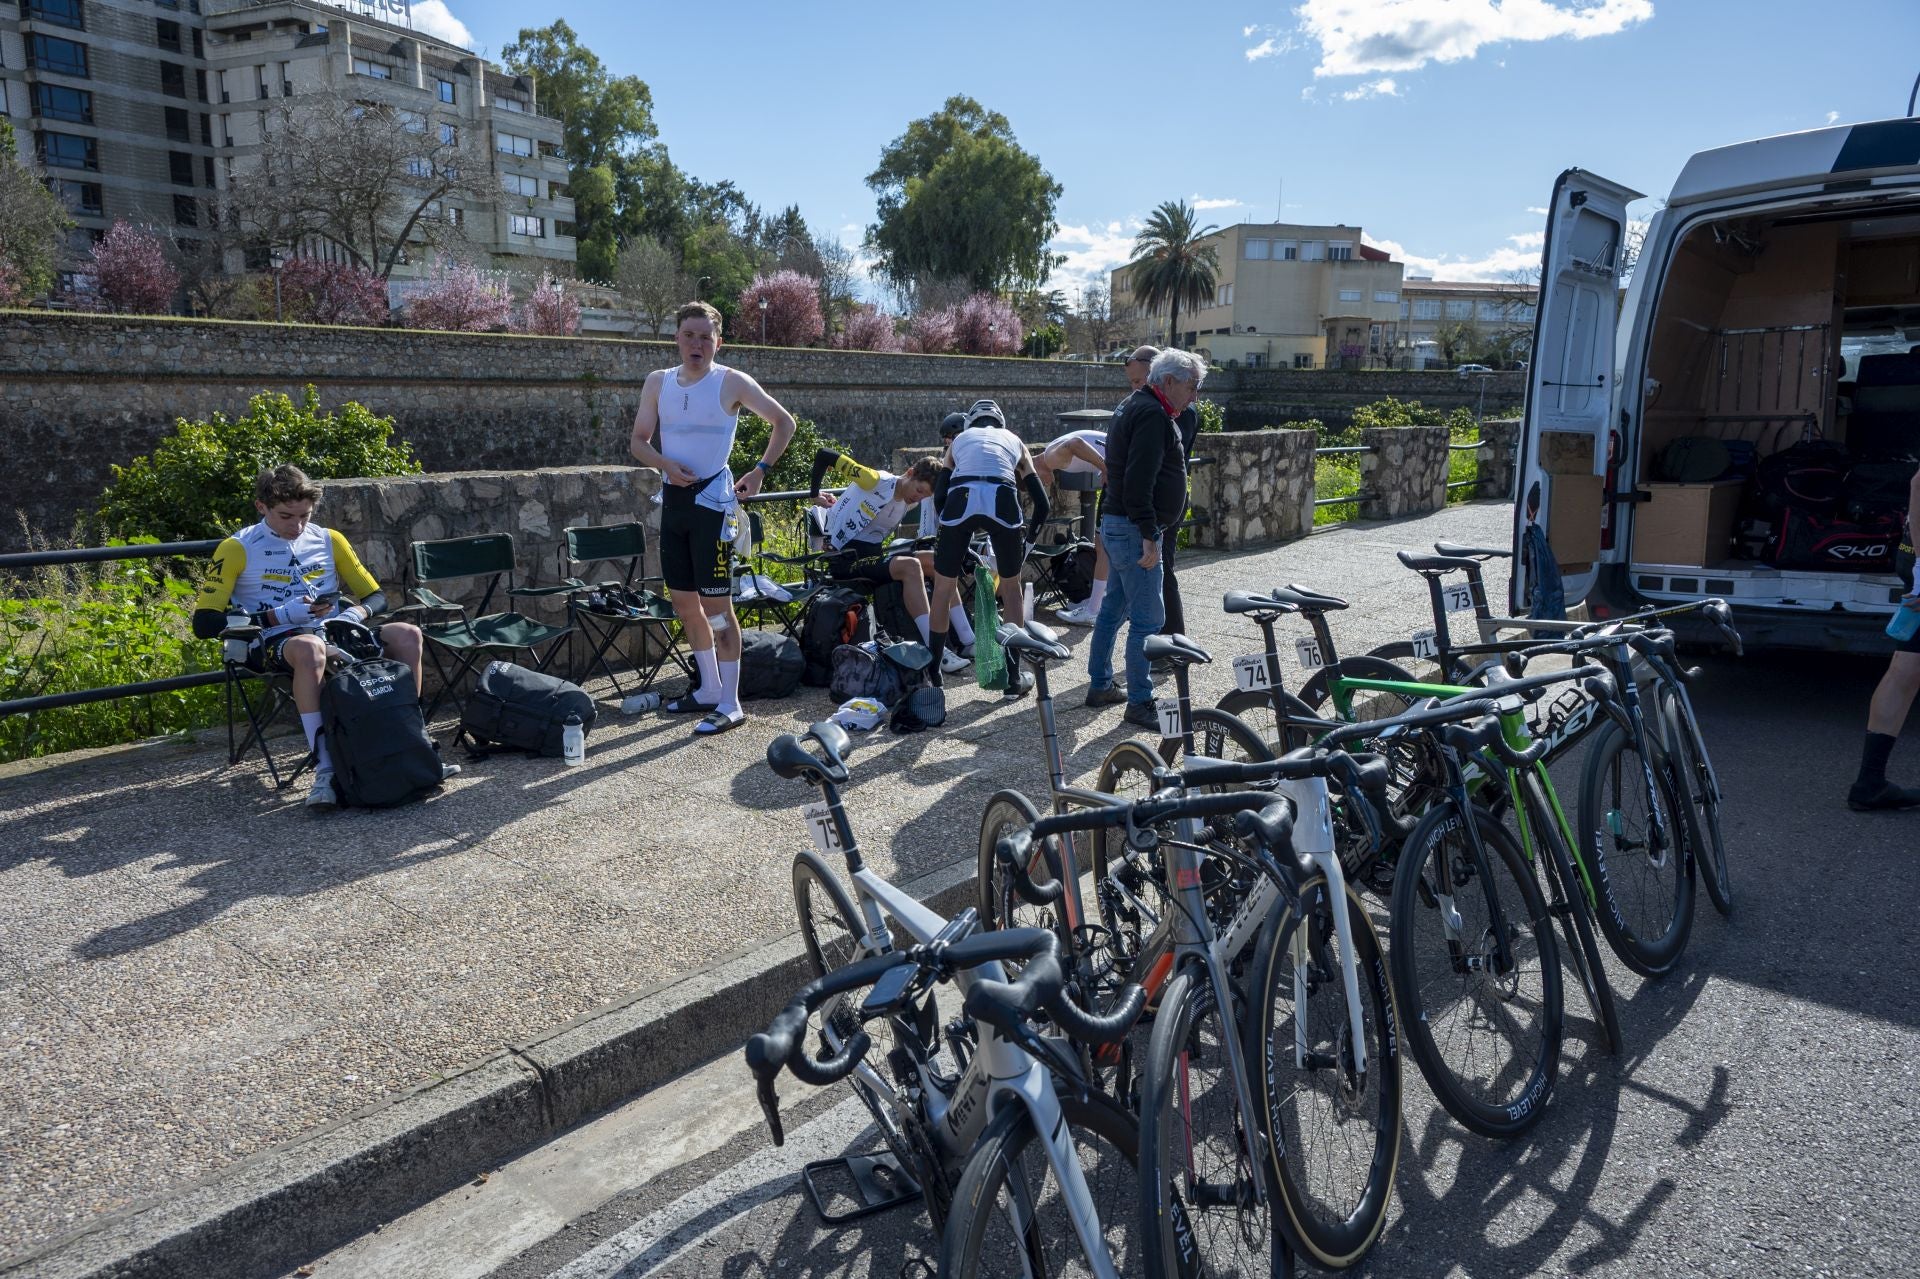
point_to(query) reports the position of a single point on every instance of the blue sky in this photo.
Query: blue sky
(1436, 125)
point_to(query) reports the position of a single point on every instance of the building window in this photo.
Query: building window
(68, 151)
(199, 44)
(568, 229)
(447, 94)
(61, 13)
(412, 121)
(1491, 311)
(367, 67)
(1313, 250)
(79, 197)
(167, 34)
(1302, 360)
(206, 129)
(511, 104)
(180, 168)
(522, 224)
(520, 184)
(57, 102)
(186, 211)
(173, 79)
(178, 127)
(1385, 295)
(51, 53)
(1256, 250)
(449, 135)
(1457, 310)
(1223, 295)
(419, 167)
(1523, 312)
(206, 169)
(512, 144)
(1350, 295)
(1285, 251)
(1339, 251)
(260, 81)
(286, 80)
(1426, 309)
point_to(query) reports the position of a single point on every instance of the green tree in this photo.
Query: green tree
(959, 198)
(31, 225)
(1171, 267)
(596, 233)
(720, 266)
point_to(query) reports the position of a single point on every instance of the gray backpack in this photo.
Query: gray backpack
(886, 674)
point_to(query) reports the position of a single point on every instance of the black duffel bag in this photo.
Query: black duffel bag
(770, 665)
(513, 708)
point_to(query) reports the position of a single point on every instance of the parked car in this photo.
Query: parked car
(1466, 369)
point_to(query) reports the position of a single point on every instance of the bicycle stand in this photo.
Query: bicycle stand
(879, 1179)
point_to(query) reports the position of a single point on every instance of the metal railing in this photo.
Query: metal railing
(1457, 448)
(1355, 497)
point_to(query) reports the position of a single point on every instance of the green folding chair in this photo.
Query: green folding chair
(271, 695)
(624, 605)
(465, 640)
(750, 601)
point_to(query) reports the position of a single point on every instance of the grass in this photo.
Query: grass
(1335, 475)
(1462, 464)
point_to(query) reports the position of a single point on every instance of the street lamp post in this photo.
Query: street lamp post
(993, 327)
(763, 321)
(279, 259)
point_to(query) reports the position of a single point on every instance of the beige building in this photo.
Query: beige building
(1487, 317)
(1289, 296)
(139, 108)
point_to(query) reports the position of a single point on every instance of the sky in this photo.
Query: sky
(1437, 126)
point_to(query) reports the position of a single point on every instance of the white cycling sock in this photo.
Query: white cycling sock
(957, 619)
(729, 704)
(1099, 593)
(709, 692)
(925, 623)
(310, 721)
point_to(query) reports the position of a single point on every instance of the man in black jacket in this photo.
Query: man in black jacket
(1145, 494)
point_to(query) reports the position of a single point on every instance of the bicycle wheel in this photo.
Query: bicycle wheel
(1487, 1042)
(1333, 1132)
(1218, 734)
(1255, 710)
(1699, 804)
(1122, 887)
(1567, 899)
(1197, 1200)
(999, 905)
(1642, 879)
(1011, 1216)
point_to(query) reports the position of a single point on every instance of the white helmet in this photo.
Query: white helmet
(983, 410)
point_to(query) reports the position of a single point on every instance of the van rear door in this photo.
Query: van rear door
(1570, 385)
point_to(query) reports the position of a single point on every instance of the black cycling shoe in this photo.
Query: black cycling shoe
(1885, 795)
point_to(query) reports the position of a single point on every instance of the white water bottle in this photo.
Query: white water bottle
(640, 702)
(573, 742)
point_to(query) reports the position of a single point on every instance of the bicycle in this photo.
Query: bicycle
(931, 1117)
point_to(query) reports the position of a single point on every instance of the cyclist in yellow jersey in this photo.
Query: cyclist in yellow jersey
(286, 574)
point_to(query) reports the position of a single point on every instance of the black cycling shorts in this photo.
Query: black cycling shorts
(950, 550)
(268, 657)
(863, 562)
(693, 554)
(1911, 644)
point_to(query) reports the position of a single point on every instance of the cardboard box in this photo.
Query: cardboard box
(1573, 518)
(1686, 523)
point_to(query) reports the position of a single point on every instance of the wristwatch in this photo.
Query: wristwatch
(764, 465)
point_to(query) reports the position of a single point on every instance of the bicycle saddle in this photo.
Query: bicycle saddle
(1457, 551)
(1248, 602)
(788, 757)
(1177, 649)
(1435, 563)
(1309, 601)
(1034, 642)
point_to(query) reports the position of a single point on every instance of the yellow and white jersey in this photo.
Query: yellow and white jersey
(258, 569)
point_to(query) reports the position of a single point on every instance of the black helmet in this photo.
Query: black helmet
(952, 424)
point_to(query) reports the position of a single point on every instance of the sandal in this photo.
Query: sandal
(717, 722)
(686, 704)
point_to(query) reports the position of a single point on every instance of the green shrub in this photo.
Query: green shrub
(1212, 418)
(92, 626)
(198, 483)
(795, 467)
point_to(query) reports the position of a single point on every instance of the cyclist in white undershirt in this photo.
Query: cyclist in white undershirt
(1080, 453)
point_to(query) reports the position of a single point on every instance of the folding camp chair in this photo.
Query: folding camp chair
(750, 574)
(466, 640)
(605, 611)
(1071, 555)
(261, 707)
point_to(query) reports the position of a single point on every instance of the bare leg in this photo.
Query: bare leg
(401, 640)
(1887, 713)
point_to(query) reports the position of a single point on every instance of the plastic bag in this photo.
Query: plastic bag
(989, 660)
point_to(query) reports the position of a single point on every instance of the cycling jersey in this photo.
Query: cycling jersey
(985, 461)
(257, 569)
(867, 511)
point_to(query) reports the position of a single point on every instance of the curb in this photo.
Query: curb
(283, 1207)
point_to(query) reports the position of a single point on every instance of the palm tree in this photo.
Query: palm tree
(1170, 266)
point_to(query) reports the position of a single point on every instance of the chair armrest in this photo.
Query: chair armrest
(429, 600)
(540, 592)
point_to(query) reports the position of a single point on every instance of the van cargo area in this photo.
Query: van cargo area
(1792, 338)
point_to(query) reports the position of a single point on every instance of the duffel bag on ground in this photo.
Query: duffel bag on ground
(890, 616)
(887, 674)
(376, 738)
(834, 616)
(519, 709)
(1804, 539)
(770, 665)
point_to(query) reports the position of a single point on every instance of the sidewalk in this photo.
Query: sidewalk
(192, 970)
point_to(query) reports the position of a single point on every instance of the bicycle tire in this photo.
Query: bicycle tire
(996, 900)
(1255, 710)
(1507, 1094)
(1567, 900)
(1333, 1215)
(1218, 734)
(979, 1238)
(1700, 805)
(1187, 1044)
(1644, 902)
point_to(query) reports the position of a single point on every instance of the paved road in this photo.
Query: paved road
(1761, 1120)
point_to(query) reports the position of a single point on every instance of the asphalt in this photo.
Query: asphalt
(238, 1036)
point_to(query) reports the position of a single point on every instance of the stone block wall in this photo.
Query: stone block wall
(1405, 469)
(1258, 489)
(1498, 457)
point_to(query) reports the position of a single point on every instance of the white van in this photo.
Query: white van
(1776, 299)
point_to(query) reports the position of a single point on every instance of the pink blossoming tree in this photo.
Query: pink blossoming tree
(319, 292)
(130, 272)
(793, 315)
(461, 301)
(549, 311)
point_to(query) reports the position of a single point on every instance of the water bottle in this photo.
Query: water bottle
(1906, 621)
(573, 742)
(640, 703)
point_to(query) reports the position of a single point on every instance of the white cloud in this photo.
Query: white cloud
(1247, 31)
(1832, 116)
(1362, 37)
(1091, 252)
(1381, 88)
(1496, 266)
(1529, 239)
(1201, 204)
(432, 17)
(1536, 210)
(1265, 49)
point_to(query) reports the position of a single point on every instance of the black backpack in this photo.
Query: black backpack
(890, 616)
(513, 708)
(886, 673)
(834, 616)
(770, 665)
(375, 735)
(1807, 477)
(1876, 489)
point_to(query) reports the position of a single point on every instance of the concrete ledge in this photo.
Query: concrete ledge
(284, 1206)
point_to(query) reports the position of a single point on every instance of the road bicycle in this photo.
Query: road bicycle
(937, 1095)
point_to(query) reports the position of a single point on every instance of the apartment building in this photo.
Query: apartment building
(1289, 296)
(138, 109)
(1491, 317)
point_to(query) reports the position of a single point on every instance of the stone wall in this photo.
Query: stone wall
(1258, 489)
(81, 392)
(1498, 456)
(1405, 469)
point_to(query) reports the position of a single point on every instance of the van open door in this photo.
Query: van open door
(1566, 434)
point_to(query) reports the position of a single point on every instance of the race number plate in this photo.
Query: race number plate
(1459, 598)
(1250, 674)
(819, 819)
(1426, 644)
(1307, 651)
(1168, 709)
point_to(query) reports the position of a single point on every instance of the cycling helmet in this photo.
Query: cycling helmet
(952, 424)
(985, 411)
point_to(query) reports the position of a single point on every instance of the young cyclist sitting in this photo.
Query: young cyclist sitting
(286, 574)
